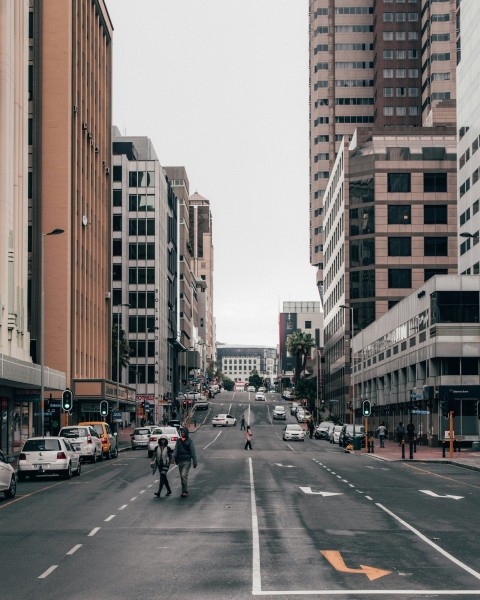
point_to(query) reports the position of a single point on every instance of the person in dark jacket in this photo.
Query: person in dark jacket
(311, 428)
(162, 459)
(183, 455)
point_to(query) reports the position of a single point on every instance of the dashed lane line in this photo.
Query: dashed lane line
(47, 572)
(94, 531)
(110, 518)
(74, 549)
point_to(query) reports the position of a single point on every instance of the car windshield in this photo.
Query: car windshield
(166, 430)
(74, 432)
(142, 431)
(294, 428)
(41, 445)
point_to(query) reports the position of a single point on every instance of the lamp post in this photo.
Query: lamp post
(42, 327)
(352, 368)
(149, 329)
(119, 308)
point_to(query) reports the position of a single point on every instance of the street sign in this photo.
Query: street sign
(116, 416)
(420, 412)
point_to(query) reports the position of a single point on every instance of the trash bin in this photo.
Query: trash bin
(357, 443)
(476, 446)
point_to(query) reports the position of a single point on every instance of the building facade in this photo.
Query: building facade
(238, 362)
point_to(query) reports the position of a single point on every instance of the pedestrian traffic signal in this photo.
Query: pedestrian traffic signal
(184, 405)
(104, 408)
(67, 400)
(304, 402)
(190, 404)
(366, 408)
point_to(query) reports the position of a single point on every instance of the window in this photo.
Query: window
(428, 273)
(388, 17)
(117, 222)
(388, 54)
(117, 271)
(117, 247)
(435, 246)
(401, 111)
(388, 36)
(117, 197)
(388, 73)
(399, 214)
(455, 307)
(435, 215)
(399, 182)
(308, 324)
(399, 246)
(388, 111)
(388, 92)
(434, 182)
(117, 173)
(399, 278)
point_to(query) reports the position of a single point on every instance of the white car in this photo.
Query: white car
(48, 456)
(260, 396)
(8, 478)
(251, 388)
(279, 412)
(171, 433)
(294, 432)
(223, 420)
(303, 415)
(85, 441)
(262, 388)
(294, 407)
(334, 433)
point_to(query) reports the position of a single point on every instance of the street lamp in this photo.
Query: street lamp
(42, 327)
(149, 329)
(352, 368)
(119, 308)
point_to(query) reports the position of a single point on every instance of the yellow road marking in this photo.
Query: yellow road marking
(335, 559)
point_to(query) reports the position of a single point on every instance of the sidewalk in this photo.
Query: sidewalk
(393, 452)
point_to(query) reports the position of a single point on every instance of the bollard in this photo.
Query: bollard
(195, 423)
(415, 444)
(443, 449)
(373, 446)
(403, 448)
(410, 443)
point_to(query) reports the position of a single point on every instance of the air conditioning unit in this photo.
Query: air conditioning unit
(75, 108)
(85, 126)
(97, 149)
(108, 295)
(107, 170)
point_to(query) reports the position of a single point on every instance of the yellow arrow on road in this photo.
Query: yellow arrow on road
(335, 559)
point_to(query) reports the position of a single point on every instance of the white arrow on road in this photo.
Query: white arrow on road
(286, 466)
(434, 495)
(308, 490)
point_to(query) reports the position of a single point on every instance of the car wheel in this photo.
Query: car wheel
(94, 457)
(78, 472)
(115, 455)
(100, 456)
(106, 455)
(12, 490)
(235, 424)
(21, 476)
(68, 474)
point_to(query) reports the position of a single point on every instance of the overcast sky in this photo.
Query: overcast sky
(221, 87)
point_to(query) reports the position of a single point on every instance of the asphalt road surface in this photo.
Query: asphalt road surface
(283, 520)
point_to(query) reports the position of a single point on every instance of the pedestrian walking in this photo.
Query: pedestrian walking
(162, 460)
(311, 428)
(382, 432)
(400, 431)
(242, 423)
(410, 431)
(248, 438)
(183, 455)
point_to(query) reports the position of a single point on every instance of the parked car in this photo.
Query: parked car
(224, 420)
(288, 395)
(260, 396)
(194, 396)
(279, 412)
(334, 434)
(171, 433)
(294, 432)
(346, 435)
(84, 440)
(262, 388)
(251, 388)
(294, 407)
(48, 456)
(174, 423)
(202, 403)
(8, 478)
(140, 437)
(108, 439)
(322, 430)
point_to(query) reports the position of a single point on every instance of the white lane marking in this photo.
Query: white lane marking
(308, 490)
(256, 574)
(213, 441)
(345, 480)
(434, 495)
(290, 447)
(94, 531)
(369, 593)
(368, 498)
(47, 572)
(359, 491)
(351, 485)
(143, 491)
(446, 554)
(151, 485)
(134, 498)
(123, 506)
(74, 549)
(109, 518)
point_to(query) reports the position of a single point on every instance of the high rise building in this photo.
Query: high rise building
(69, 135)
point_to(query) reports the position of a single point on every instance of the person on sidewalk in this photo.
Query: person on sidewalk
(382, 432)
(183, 455)
(242, 423)
(410, 431)
(248, 438)
(162, 460)
(400, 431)
(311, 428)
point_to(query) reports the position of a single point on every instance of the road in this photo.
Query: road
(283, 520)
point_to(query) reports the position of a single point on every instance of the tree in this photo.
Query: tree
(255, 378)
(124, 351)
(299, 345)
(228, 384)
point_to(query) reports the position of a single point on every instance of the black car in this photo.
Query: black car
(346, 435)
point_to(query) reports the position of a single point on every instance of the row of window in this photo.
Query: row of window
(135, 178)
(400, 54)
(400, 73)
(432, 246)
(135, 226)
(362, 220)
(402, 182)
(400, 17)
(401, 92)
(136, 275)
(400, 111)
(400, 36)
(135, 251)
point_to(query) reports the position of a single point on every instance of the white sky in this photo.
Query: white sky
(221, 87)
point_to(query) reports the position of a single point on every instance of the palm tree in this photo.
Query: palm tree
(124, 351)
(299, 345)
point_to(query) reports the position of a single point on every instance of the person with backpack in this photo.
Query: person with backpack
(162, 460)
(183, 455)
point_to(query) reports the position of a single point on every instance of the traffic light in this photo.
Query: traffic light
(304, 402)
(189, 404)
(366, 408)
(67, 400)
(184, 405)
(104, 408)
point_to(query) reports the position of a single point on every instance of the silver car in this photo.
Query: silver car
(85, 441)
(48, 456)
(140, 437)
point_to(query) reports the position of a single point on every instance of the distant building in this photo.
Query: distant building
(238, 362)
